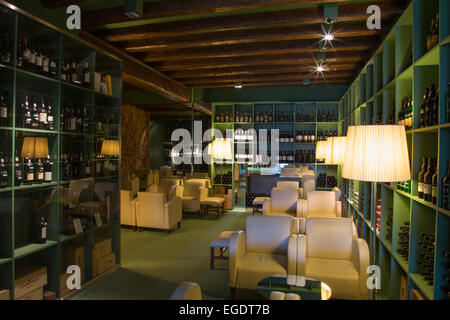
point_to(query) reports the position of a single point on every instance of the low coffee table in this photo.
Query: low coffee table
(311, 290)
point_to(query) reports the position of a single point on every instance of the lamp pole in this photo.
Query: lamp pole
(374, 231)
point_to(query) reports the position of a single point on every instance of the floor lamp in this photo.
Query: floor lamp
(376, 153)
(221, 150)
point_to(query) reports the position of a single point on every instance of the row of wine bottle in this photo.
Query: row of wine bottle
(429, 108)
(280, 116)
(26, 172)
(427, 182)
(326, 181)
(426, 256)
(403, 240)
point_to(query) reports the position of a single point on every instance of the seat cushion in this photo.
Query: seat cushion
(340, 275)
(281, 214)
(253, 267)
(222, 240)
(188, 198)
(212, 201)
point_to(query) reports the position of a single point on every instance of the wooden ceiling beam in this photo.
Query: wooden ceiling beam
(268, 83)
(179, 8)
(344, 30)
(277, 60)
(140, 75)
(54, 4)
(266, 48)
(304, 16)
(285, 76)
(252, 70)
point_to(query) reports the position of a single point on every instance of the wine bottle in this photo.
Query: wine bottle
(434, 187)
(428, 181)
(74, 74)
(18, 171)
(423, 107)
(420, 178)
(86, 76)
(3, 111)
(43, 115)
(35, 114)
(29, 171)
(63, 72)
(42, 238)
(26, 109)
(48, 170)
(49, 116)
(3, 171)
(446, 188)
(20, 49)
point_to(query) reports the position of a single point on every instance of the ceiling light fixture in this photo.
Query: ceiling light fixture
(330, 13)
(238, 85)
(320, 69)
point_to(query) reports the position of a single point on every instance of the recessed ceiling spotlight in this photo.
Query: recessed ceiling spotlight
(320, 69)
(328, 37)
(238, 85)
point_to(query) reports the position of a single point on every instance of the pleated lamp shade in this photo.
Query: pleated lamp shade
(34, 147)
(41, 148)
(110, 148)
(221, 149)
(28, 147)
(320, 150)
(376, 154)
(336, 150)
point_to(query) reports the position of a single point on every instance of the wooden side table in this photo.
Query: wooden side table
(258, 204)
(222, 241)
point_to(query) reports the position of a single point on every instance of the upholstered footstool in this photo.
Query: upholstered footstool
(214, 203)
(258, 204)
(222, 241)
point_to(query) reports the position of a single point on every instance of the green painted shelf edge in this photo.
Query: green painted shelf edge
(33, 248)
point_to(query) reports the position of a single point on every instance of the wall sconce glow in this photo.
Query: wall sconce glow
(238, 85)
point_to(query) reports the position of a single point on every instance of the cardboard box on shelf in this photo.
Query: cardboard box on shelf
(4, 294)
(49, 295)
(37, 294)
(105, 263)
(403, 287)
(63, 290)
(73, 255)
(28, 279)
(103, 248)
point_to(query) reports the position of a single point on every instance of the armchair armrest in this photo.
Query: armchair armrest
(203, 193)
(339, 209)
(172, 192)
(300, 193)
(301, 225)
(179, 190)
(302, 208)
(292, 260)
(360, 259)
(267, 206)
(172, 210)
(301, 255)
(236, 251)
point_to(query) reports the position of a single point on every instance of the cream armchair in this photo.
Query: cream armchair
(288, 185)
(187, 291)
(166, 186)
(308, 184)
(328, 252)
(283, 202)
(191, 193)
(266, 248)
(127, 209)
(152, 211)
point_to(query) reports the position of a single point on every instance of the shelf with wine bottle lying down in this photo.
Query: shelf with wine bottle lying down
(59, 132)
(410, 89)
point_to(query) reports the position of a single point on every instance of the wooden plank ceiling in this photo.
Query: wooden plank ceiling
(216, 43)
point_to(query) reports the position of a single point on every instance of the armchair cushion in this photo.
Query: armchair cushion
(284, 200)
(340, 275)
(274, 242)
(321, 203)
(253, 267)
(288, 185)
(329, 238)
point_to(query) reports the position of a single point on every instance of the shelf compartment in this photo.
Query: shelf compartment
(424, 11)
(33, 248)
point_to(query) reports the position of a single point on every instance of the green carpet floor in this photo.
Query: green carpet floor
(154, 264)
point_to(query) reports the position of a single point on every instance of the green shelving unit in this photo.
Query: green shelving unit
(231, 108)
(20, 205)
(402, 67)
